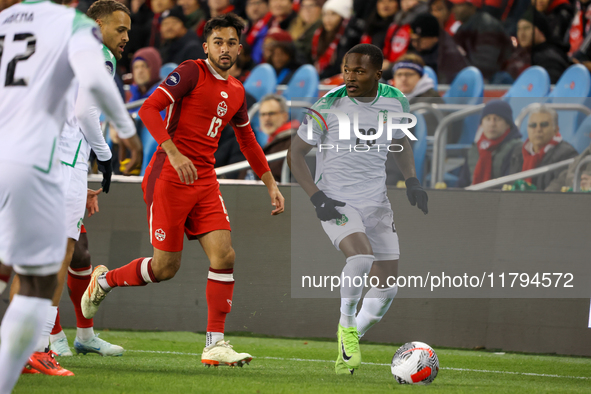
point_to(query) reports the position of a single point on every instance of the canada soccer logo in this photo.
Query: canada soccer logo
(222, 109)
(160, 234)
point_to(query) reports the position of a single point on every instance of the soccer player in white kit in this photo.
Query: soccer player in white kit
(44, 46)
(349, 192)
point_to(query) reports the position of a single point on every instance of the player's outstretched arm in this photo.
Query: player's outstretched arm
(296, 160)
(277, 199)
(325, 206)
(92, 201)
(406, 162)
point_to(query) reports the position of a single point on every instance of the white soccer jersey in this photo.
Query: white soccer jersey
(342, 172)
(74, 149)
(36, 40)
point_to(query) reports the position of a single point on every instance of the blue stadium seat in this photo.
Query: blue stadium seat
(167, 69)
(302, 86)
(530, 87)
(573, 87)
(581, 139)
(261, 81)
(431, 73)
(466, 88)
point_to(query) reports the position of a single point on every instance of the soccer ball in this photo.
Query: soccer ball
(415, 363)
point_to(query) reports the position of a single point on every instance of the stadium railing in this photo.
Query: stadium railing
(439, 151)
(577, 179)
(520, 175)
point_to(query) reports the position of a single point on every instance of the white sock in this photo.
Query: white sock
(21, 327)
(84, 334)
(211, 338)
(375, 305)
(351, 288)
(47, 328)
(56, 337)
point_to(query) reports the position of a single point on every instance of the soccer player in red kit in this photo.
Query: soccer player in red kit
(180, 185)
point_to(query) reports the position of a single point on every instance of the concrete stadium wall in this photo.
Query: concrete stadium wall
(262, 298)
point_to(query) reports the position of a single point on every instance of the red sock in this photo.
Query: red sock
(137, 273)
(219, 290)
(78, 281)
(57, 327)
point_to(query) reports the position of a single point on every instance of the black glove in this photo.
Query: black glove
(106, 169)
(416, 194)
(325, 207)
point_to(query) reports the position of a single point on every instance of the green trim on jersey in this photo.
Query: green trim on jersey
(391, 92)
(33, 1)
(75, 156)
(110, 58)
(81, 21)
(50, 159)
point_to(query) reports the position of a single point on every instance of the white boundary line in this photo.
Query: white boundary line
(378, 364)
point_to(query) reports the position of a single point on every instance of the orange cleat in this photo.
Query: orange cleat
(29, 370)
(45, 363)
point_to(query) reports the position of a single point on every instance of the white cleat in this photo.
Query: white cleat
(223, 354)
(94, 293)
(97, 345)
(61, 347)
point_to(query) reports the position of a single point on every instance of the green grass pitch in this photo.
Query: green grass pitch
(169, 362)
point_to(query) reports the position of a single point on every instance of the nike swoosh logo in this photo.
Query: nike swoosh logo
(95, 348)
(345, 357)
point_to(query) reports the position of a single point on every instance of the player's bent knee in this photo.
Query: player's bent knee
(224, 259)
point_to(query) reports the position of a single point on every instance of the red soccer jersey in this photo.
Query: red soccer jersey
(199, 104)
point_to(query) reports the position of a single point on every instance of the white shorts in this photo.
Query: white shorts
(75, 187)
(32, 219)
(376, 221)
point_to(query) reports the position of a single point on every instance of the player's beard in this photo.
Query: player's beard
(224, 68)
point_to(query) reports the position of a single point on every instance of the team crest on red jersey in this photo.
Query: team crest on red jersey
(222, 109)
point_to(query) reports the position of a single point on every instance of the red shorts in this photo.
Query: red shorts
(175, 208)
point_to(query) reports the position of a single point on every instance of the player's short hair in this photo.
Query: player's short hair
(103, 8)
(225, 20)
(275, 97)
(376, 57)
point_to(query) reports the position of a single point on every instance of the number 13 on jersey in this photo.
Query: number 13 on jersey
(214, 127)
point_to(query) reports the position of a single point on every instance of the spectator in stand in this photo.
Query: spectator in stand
(543, 146)
(565, 180)
(214, 8)
(194, 12)
(490, 157)
(560, 15)
(410, 79)
(145, 67)
(158, 7)
(283, 13)
(274, 121)
(274, 35)
(535, 49)
(327, 50)
(581, 25)
(283, 60)
(257, 12)
(379, 21)
(398, 35)
(580, 39)
(441, 9)
(307, 21)
(482, 38)
(437, 48)
(179, 44)
(244, 64)
(139, 35)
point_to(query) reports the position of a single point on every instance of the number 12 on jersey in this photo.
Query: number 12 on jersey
(214, 127)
